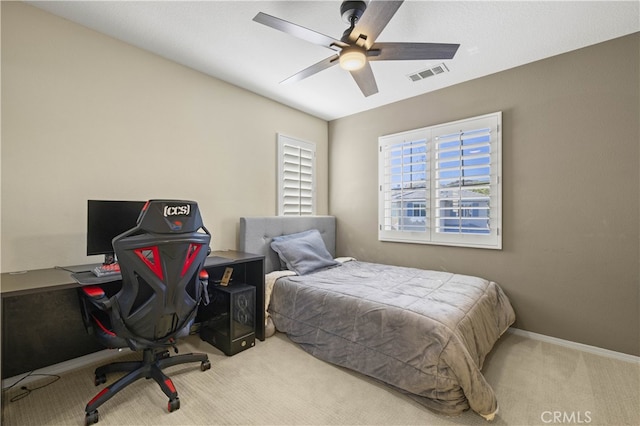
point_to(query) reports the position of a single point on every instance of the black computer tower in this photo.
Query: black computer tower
(232, 323)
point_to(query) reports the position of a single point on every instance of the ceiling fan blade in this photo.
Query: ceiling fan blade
(411, 51)
(365, 80)
(298, 31)
(313, 69)
(374, 20)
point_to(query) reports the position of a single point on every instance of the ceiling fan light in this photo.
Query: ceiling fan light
(352, 59)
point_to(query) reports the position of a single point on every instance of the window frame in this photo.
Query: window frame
(287, 181)
(400, 172)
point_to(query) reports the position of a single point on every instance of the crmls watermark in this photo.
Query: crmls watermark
(566, 417)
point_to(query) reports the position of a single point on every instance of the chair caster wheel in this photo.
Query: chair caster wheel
(99, 379)
(205, 365)
(91, 418)
(174, 404)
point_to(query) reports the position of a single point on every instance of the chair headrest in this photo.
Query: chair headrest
(170, 217)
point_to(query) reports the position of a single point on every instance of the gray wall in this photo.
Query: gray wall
(87, 116)
(570, 258)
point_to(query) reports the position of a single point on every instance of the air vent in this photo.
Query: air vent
(429, 72)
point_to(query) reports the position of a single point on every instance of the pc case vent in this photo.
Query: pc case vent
(429, 72)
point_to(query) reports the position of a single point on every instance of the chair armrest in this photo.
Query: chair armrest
(97, 296)
(93, 292)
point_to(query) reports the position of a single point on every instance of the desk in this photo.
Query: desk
(38, 281)
(42, 322)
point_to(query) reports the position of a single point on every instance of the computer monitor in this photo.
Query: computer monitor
(107, 219)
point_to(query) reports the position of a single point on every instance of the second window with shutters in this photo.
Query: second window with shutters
(296, 177)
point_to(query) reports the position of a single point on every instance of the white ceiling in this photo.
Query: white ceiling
(221, 39)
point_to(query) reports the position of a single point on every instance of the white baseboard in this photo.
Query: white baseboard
(574, 345)
(60, 368)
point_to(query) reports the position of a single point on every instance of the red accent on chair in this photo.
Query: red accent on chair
(153, 261)
(102, 392)
(169, 384)
(93, 292)
(102, 327)
(192, 254)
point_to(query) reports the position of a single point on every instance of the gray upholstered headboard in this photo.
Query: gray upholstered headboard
(256, 234)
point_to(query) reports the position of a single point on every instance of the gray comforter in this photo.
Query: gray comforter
(424, 332)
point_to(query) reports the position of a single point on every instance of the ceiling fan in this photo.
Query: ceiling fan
(357, 46)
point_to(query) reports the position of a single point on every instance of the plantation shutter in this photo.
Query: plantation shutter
(404, 187)
(463, 182)
(441, 184)
(296, 175)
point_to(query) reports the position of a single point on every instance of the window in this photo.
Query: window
(442, 184)
(296, 177)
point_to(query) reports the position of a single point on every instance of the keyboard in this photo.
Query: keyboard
(106, 270)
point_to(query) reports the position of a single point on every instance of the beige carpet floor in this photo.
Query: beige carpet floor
(277, 383)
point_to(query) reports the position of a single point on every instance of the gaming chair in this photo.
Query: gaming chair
(161, 260)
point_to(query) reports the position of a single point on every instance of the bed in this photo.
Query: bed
(425, 333)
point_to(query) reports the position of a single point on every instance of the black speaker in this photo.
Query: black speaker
(232, 322)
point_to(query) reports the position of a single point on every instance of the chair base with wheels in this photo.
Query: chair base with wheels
(154, 360)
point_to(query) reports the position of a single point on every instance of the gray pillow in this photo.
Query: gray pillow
(303, 252)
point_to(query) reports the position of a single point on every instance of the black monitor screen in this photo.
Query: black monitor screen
(108, 219)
